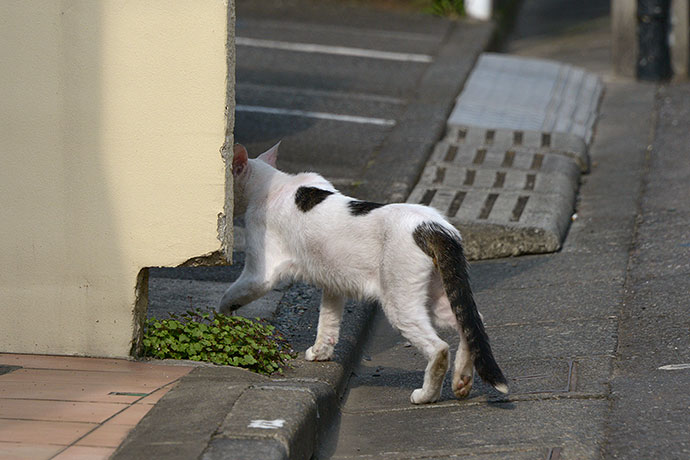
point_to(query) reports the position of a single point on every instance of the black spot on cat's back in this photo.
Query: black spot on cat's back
(361, 208)
(308, 197)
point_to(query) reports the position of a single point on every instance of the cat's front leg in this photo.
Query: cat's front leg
(330, 314)
(247, 288)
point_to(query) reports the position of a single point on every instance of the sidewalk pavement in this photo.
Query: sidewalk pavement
(593, 339)
(68, 407)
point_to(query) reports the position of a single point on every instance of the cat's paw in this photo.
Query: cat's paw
(419, 396)
(462, 386)
(318, 353)
(228, 309)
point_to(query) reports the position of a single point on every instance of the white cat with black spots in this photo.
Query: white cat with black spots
(405, 256)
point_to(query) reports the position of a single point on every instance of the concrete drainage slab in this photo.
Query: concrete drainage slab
(463, 139)
(529, 94)
(505, 201)
(510, 187)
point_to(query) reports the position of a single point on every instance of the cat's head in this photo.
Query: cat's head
(245, 169)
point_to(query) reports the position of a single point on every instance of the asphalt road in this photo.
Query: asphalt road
(331, 81)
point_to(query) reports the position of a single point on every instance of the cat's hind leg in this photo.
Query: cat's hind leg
(463, 369)
(435, 372)
(444, 317)
(330, 314)
(411, 318)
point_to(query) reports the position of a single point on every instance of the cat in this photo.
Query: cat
(405, 256)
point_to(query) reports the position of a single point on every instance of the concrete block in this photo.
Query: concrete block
(523, 142)
(508, 170)
(529, 94)
(284, 414)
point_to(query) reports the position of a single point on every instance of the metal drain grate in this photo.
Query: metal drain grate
(6, 369)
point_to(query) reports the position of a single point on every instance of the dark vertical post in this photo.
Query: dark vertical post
(654, 58)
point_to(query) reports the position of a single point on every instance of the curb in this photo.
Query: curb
(254, 428)
(226, 412)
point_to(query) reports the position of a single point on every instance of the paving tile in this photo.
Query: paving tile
(19, 451)
(113, 379)
(553, 270)
(107, 435)
(131, 415)
(154, 397)
(42, 432)
(386, 380)
(68, 362)
(68, 392)
(93, 364)
(60, 411)
(85, 453)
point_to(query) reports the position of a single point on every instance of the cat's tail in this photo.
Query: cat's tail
(444, 246)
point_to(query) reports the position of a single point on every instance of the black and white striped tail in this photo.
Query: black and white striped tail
(445, 248)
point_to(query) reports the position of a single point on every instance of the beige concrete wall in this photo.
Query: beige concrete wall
(111, 123)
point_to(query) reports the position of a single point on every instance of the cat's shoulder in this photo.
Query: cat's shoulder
(314, 180)
(310, 189)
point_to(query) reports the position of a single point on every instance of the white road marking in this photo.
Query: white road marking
(319, 115)
(310, 92)
(267, 424)
(337, 50)
(244, 24)
(674, 367)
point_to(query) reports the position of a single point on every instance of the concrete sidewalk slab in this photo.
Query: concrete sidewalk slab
(529, 94)
(415, 432)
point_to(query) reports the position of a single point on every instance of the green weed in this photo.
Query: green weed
(219, 339)
(447, 7)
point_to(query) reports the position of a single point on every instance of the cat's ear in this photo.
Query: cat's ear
(239, 159)
(270, 156)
